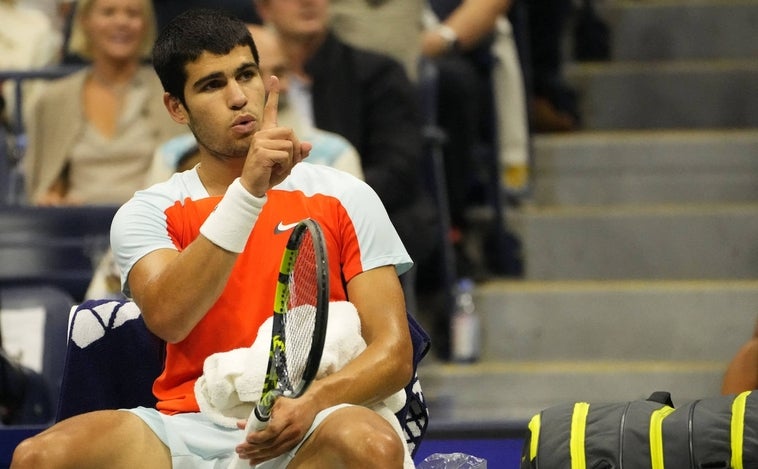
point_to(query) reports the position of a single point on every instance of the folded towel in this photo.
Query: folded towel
(231, 382)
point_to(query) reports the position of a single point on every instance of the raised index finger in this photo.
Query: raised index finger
(271, 108)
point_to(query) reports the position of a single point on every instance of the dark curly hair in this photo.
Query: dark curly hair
(187, 36)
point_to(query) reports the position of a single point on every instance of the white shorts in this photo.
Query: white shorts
(197, 443)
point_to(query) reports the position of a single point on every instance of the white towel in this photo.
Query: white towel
(231, 382)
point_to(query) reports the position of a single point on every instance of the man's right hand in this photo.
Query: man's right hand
(274, 150)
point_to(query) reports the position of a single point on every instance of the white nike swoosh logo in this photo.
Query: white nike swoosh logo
(281, 227)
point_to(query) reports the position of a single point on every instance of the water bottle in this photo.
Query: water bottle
(465, 324)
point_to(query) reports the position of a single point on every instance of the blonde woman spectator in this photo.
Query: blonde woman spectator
(92, 134)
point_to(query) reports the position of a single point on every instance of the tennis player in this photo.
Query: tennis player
(199, 255)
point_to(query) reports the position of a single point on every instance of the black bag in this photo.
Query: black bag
(712, 433)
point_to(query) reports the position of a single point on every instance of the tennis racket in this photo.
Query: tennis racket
(301, 311)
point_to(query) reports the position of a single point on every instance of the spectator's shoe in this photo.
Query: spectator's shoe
(547, 118)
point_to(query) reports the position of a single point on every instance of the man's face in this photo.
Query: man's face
(224, 97)
(299, 19)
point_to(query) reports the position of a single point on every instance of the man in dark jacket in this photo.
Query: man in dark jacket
(369, 99)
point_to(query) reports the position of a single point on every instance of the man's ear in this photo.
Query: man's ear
(175, 108)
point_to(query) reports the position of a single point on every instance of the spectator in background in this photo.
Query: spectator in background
(481, 102)
(367, 98)
(482, 108)
(329, 148)
(92, 134)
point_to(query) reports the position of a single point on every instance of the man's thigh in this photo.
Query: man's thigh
(108, 438)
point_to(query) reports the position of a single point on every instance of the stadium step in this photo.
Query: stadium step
(693, 241)
(615, 320)
(645, 167)
(501, 395)
(687, 94)
(681, 29)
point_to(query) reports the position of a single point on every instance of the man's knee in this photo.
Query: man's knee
(33, 453)
(354, 437)
(371, 444)
(381, 446)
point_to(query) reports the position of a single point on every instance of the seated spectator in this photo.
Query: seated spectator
(92, 134)
(329, 148)
(482, 97)
(477, 35)
(368, 98)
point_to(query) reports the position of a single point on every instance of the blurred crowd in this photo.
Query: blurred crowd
(376, 85)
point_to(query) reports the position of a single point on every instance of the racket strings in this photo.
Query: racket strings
(299, 321)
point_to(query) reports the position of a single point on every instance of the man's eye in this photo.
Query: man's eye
(212, 85)
(247, 75)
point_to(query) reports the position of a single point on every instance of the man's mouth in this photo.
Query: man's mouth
(244, 125)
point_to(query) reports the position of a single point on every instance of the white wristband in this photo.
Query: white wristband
(230, 223)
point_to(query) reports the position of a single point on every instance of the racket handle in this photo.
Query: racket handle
(256, 422)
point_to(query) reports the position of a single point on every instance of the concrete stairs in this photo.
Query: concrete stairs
(640, 236)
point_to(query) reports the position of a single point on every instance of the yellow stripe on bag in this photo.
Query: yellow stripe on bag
(578, 428)
(738, 428)
(656, 436)
(534, 436)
